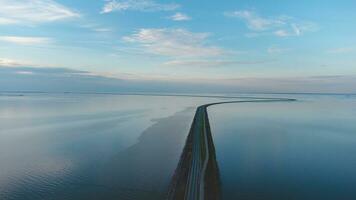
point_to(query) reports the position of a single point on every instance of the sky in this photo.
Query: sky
(275, 46)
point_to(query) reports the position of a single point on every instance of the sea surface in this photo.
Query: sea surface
(302, 150)
(91, 146)
(107, 146)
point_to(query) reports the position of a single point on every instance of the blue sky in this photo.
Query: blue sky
(183, 41)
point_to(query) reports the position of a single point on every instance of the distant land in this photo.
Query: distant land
(33, 79)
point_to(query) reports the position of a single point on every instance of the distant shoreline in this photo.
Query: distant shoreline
(211, 95)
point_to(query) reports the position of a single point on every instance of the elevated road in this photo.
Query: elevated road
(197, 174)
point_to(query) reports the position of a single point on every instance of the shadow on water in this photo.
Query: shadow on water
(143, 170)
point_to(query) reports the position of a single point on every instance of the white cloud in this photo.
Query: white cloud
(254, 21)
(174, 42)
(26, 40)
(139, 5)
(25, 72)
(282, 33)
(7, 62)
(6, 21)
(12, 63)
(33, 11)
(96, 28)
(199, 63)
(210, 63)
(296, 29)
(277, 50)
(341, 50)
(281, 26)
(102, 30)
(180, 17)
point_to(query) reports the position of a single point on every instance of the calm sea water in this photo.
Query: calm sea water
(67, 146)
(287, 150)
(91, 146)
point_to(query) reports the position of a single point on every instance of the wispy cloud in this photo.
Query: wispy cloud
(295, 29)
(8, 62)
(26, 40)
(341, 50)
(24, 72)
(174, 42)
(302, 84)
(5, 62)
(254, 21)
(199, 63)
(102, 30)
(282, 33)
(281, 26)
(96, 28)
(6, 21)
(180, 17)
(33, 11)
(210, 63)
(277, 50)
(138, 5)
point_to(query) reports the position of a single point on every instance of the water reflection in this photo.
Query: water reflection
(294, 150)
(90, 146)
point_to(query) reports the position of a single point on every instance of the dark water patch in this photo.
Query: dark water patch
(142, 171)
(58, 146)
(149, 164)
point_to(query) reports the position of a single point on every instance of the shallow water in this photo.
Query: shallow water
(67, 146)
(287, 150)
